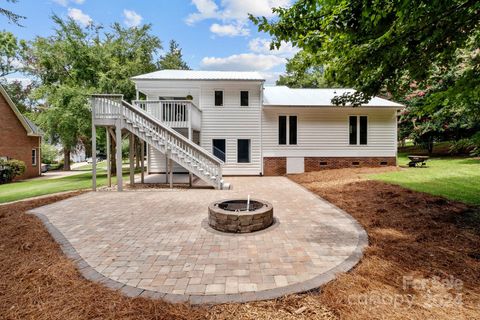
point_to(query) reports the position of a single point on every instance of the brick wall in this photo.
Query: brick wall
(14, 142)
(274, 166)
(322, 163)
(277, 166)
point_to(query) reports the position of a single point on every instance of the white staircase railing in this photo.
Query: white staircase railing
(166, 140)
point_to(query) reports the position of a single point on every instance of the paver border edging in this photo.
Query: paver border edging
(89, 273)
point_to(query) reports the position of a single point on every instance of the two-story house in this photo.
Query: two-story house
(243, 127)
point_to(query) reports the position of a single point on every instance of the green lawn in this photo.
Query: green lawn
(453, 178)
(26, 189)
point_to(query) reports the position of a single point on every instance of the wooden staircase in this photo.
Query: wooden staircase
(174, 145)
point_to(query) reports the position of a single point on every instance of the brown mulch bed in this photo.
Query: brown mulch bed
(410, 234)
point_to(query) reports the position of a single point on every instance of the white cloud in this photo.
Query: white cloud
(230, 30)
(206, 9)
(233, 12)
(243, 62)
(259, 45)
(239, 9)
(79, 16)
(132, 19)
(64, 3)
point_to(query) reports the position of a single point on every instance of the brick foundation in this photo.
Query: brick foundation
(277, 166)
(322, 163)
(274, 166)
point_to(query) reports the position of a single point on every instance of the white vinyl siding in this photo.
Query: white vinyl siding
(324, 132)
(233, 122)
(229, 122)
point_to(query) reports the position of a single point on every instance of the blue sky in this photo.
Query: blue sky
(214, 34)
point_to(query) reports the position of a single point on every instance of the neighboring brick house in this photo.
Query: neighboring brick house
(20, 139)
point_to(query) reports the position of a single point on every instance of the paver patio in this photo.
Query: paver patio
(158, 242)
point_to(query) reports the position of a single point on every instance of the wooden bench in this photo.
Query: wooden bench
(417, 161)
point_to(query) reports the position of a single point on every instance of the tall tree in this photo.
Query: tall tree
(173, 59)
(9, 54)
(21, 94)
(75, 62)
(373, 45)
(300, 73)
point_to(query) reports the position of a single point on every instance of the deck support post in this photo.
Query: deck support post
(118, 149)
(170, 170)
(142, 160)
(109, 158)
(131, 153)
(94, 157)
(166, 167)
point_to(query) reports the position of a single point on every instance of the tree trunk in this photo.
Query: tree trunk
(66, 159)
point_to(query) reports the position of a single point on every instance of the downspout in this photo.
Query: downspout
(261, 128)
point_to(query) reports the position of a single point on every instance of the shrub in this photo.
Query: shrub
(9, 169)
(467, 146)
(49, 153)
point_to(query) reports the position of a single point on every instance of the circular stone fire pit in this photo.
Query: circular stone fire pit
(234, 216)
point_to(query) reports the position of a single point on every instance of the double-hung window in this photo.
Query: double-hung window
(287, 130)
(244, 98)
(358, 130)
(34, 157)
(219, 148)
(218, 98)
(243, 150)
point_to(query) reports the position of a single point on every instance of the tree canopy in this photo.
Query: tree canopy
(424, 53)
(302, 73)
(75, 62)
(11, 16)
(173, 59)
(374, 45)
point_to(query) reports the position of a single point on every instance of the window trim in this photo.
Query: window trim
(223, 97)
(249, 150)
(225, 148)
(287, 144)
(248, 98)
(34, 156)
(357, 144)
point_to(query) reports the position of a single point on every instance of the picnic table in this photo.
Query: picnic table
(417, 161)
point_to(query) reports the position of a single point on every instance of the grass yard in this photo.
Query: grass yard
(38, 187)
(453, 178)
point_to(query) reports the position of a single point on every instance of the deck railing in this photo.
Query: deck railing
(175, 113)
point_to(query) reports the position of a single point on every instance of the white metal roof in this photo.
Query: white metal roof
(284, 96)
(200, 75)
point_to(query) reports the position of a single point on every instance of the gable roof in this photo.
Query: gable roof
(285, 96)
(30, 127)
(200, 75)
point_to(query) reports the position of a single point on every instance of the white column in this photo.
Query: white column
(142, 160)
(94, 157)
(118, 149)
(170, 169)
(131, 152)
(109, 158)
